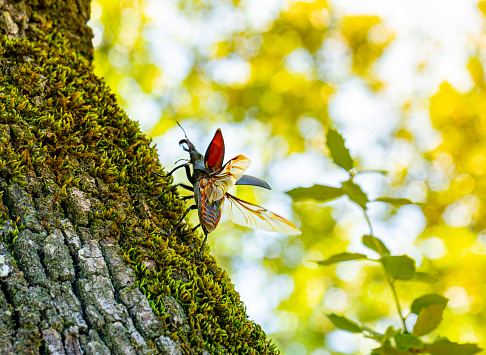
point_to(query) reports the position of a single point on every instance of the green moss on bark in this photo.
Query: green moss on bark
(68, 147)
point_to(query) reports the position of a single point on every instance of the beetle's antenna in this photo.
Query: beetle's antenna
(182, 129)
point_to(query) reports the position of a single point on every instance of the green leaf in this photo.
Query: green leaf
(408, 341)
(319, 193)
(355, 193)
(386, 349)
(427, 300)
(389, 333)
(375, 244)
(395, 202)
(424, 277)
(342, 257)
(339, 153)
(428, 319)
(399, 267)
(344, 323)
(446, 347)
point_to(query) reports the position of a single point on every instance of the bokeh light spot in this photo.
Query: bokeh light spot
(464, 183)
(336, 300)
(417, 191)
(459, 300)
(348, 271)
(342, 342)
(295, 349)
(434, 248)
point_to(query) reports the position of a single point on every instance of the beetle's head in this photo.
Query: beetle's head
(195, 156)
(187, 145)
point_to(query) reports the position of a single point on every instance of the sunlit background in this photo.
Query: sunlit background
(403, 82)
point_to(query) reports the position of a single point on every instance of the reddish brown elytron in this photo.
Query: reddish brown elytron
(211, 181)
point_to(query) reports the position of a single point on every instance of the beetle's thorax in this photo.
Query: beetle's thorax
(197, 161)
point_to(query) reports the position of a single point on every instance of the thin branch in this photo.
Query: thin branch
(389, 279)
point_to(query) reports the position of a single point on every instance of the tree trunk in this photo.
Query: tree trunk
(90, 258)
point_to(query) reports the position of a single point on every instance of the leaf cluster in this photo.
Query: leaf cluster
(428, 308)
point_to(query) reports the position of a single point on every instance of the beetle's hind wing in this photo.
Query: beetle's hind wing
(249, 215)
(225, 179)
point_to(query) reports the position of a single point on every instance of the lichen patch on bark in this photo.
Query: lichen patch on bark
(4, 269)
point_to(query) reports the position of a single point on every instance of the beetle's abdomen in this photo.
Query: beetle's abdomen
(209, 213)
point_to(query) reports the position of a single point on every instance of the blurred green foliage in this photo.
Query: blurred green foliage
(428, 308)
(217, 61)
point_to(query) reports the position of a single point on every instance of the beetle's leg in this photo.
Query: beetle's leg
(187, 187)
(186, 165)
(190, 176)
(188, 197)
(174, 187)
(202, 246)
(201, 252)
(189, 209)
(196, 227)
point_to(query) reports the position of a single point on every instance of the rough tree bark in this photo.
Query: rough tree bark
(89, 260)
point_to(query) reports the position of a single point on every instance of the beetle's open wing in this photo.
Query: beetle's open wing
(231, 172)
(213, 159)
(250, 215)
(253, 181)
